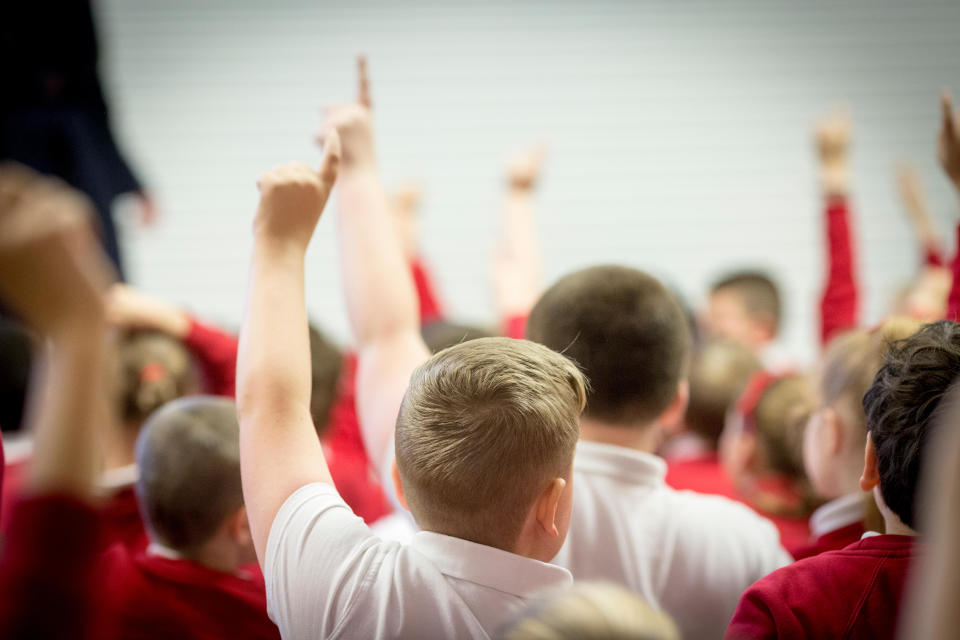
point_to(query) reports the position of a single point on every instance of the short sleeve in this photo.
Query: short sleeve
(321, 561)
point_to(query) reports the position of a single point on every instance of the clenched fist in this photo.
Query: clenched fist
(52, 270)
(293, 196)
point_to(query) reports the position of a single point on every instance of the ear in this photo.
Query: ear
(871, 474)
(398, 485)
(548, 504)
(671, 420)
(832, 430)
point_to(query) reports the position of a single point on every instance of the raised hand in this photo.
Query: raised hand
(405, 203)
(354, 125)
(949, 142)
(833, 142)
(52, 271)
(523, 169)
(293, 196)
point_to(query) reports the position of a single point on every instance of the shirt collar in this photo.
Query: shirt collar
(620, 462)
(487, 566)
(836, 514)
(112, 480)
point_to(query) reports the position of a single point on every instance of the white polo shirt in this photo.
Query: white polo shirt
(690, 554)
(329, 576)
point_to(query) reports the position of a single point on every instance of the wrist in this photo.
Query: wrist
(267, 247)
(835, 179)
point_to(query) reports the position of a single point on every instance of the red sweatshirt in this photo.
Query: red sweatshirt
(48, 578)
(121, 521)
(953, 301)
(154, 597)
(838, 306)
(831, 541)
(704, 474)
(851, 593)
(430, 308)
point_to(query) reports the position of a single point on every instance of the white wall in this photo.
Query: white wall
(679, 131)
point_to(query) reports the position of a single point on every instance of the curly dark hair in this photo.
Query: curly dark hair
(902, 408)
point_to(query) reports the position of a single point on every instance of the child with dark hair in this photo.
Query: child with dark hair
(745, 307)
(855, 592)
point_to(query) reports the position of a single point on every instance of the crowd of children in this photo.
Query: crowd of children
(595, 467)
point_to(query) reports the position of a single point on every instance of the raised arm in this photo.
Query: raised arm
(404, 203)
(381, 298)
(53, 275)
(517, 260)
(214, 348)
(918, 213)
(279, 449)
(838, 305)
(949, 155)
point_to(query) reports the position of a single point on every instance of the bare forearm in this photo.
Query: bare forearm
(68, 408)
(381, 298)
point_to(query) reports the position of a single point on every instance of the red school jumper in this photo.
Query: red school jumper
(853, 593)
(153, 597)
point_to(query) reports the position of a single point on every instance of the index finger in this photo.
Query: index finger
(363, 89)
(948, 117)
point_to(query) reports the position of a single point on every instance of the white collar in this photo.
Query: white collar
(112, 480)
(620, 462)
(837, 514)
(157, 549)
(17, 447)
(487, 566)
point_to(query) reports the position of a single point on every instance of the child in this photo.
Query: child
(761, 451)
(836, 432)
(628, 334)
(484, 439)
(591, 610)
(855, 592)
(191, 582)
(745, 307)
(718, 375)
(152, 369)
(53, 276)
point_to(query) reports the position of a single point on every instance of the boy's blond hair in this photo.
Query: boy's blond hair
(592, 611)
(484, 427)
(851, 362)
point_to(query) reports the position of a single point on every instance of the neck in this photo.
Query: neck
(640, 437)
(214, 555)
(891, 521)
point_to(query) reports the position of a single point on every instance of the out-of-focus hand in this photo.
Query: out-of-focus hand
(293, 196)
(52, 270)
(354, 125)
(949, 143)
(833, 143)
(130, 308)
(405, 204)
(148, 209)
(524, 168)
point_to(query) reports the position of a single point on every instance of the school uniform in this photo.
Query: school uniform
(851, 593)
(690, 554)
(840, 302)
(835, 525)
(703, 474)
(48, 570)
(120, 513)
(329, 576)
(155, 594)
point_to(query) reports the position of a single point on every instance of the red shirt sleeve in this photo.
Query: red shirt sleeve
(216, 352)
(430, 307)
(515, 326)
(48, 572)
(838, 307)
(753, 619)
(953, 301)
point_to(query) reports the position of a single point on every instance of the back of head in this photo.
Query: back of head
(780, 417)
(851, 362)
(189, 458)
(627, 333)
(484, 427)
(154, 368)
(441, 334)
(902, 405)
(591, 611)
(326, 362)
(758, 296)
(718, 374)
